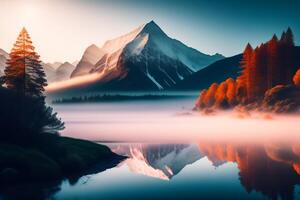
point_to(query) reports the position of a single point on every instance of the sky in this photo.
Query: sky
(62, 29)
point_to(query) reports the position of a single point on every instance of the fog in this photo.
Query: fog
(172, 121)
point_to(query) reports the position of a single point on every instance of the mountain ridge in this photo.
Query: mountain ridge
(143, 59)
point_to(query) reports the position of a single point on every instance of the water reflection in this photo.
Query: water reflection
(46, 190)
(158, 160)
(271, 169)
(205, 169)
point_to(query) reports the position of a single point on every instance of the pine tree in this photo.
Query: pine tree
(289, 56)
(287, 66)
(288, 37)
(25, 113)
(252, 77)
(24, 72)
(261, 73)
(273, 62)
(246, 67)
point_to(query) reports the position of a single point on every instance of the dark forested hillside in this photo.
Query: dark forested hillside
(216, 72)
(266, 72)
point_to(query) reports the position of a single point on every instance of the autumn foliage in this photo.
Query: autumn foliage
(268, 65)
(24, 113)
(296, 78)
(24, 73)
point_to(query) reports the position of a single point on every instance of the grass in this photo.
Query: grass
(51, 158)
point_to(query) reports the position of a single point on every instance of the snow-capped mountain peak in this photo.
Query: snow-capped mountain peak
(143, 59)
(153, 29)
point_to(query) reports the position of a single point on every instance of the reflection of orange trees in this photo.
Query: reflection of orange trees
(271, 169)
(268, 65)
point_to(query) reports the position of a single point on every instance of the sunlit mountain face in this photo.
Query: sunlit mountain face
(144, 59)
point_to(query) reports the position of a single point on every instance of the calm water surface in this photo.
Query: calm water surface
(174, 153)
(194, 171)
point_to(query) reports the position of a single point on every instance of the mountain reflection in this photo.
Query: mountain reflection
(158, 160)
(271, 169)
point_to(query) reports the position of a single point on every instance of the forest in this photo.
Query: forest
(268, 80)
(30, 146)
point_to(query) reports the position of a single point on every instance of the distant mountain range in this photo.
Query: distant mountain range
(3, 57)
(144, 59)
(56, 71)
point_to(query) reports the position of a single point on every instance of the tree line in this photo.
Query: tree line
(268, 65)
(23, 110)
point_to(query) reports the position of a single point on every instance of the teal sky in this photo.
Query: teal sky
(62, 29)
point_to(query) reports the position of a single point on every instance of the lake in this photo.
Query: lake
(176, 153)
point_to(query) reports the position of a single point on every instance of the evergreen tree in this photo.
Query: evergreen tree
(289, 56)
(252, 77)
(261, 73)
(287, 66)
(273, 62)
(288, 37)
(24, 72)
(246, 68)
(26, 115)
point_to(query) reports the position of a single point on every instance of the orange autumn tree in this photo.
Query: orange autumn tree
(24, 113)
(268, 65)
(231, 93)
(245, 76)
(296, 78)
(24, 73)
(273, 62)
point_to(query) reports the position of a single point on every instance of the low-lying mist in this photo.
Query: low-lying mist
(172, 121)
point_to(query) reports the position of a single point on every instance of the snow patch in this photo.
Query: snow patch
(120, 42)
(154, 81)
(137, 45)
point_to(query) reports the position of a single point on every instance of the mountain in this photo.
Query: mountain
(90, 56)
(54, 65)
(144, 59)
(56, 71)
(64, 71)
(75, 63)
(60, 73)
(162, 161)
(216, 72)
(3, 57)
(49, 71)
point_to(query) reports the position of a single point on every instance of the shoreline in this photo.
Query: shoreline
(76, 158)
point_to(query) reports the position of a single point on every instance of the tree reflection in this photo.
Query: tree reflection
(271, 169)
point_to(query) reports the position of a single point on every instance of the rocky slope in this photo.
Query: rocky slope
(144, 59)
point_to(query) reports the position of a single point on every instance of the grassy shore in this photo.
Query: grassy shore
(52, 158)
